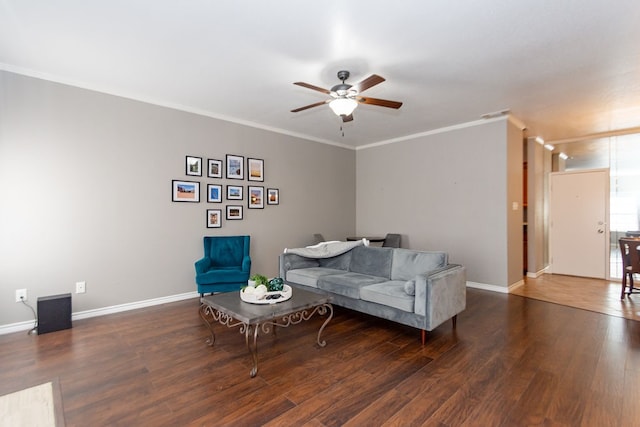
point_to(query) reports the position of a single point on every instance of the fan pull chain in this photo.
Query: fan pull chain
(342, 130)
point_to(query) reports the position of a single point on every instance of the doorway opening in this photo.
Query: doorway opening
(620, 155)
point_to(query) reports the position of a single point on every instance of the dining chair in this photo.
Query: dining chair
(318, 238)
(391, 241)
(630, 251)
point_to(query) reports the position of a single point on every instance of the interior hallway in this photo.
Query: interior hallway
(602, 296)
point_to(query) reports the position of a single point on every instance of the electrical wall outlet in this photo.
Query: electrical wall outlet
(81, 287)
(21, 295)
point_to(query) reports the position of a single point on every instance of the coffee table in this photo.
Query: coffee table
(228, 309)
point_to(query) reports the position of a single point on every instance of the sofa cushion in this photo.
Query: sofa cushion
(347, 284)
(297, 261)
(389, 293)
(222, 275)
(309, 276)
(374, 261)
(407, 263)
(340, 262)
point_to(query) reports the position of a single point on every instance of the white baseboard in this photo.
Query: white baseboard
(23, 326)
(536, 274)
(494, 288)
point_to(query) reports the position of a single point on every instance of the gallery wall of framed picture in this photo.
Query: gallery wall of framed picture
(225, 187)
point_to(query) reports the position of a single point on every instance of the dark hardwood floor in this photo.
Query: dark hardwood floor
(511, 361)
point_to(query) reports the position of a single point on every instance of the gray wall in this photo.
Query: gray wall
(450, 191)
(86, 195)
(86, 181)
(515, 210)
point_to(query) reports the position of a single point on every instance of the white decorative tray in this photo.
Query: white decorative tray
(267, 298)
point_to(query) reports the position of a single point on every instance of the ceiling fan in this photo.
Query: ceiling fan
(345, 97)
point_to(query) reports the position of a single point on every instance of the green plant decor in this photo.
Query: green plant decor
(275, 284)
(260, 279)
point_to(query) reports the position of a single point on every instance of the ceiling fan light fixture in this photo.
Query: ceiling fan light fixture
(345, 97)
(343, 106)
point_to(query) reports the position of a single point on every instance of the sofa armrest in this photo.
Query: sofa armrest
(202, 265)
(441, 294)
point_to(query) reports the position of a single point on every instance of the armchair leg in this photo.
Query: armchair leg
(454, 321)
(424, 336)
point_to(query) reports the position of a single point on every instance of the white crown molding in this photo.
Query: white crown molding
(200, 112)
(152, 101)
(445, 129)
(516, 121)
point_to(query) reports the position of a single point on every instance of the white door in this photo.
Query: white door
(579, 233)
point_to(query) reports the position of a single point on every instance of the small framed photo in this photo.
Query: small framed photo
(234, 192)
(234, 212)
(256, 197)
(255, 169)
(194, 166)
(273, 196)
(215, 168)
(185, 191)
(214, 193)
(214, 218)
(235, 167)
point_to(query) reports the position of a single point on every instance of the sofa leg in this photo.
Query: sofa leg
(424, 336)
(454, 321)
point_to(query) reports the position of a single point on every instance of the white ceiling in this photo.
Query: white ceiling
(565, 68)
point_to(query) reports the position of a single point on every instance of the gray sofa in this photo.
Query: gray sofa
(415, 288)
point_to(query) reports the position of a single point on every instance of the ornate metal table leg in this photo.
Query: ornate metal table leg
(323, 309)
(204, 310)
(252, 346)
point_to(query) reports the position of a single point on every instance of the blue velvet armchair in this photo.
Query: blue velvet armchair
(226, 264)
